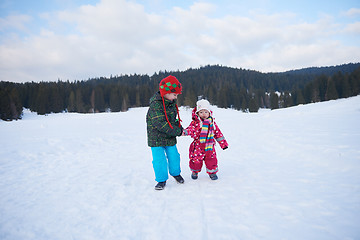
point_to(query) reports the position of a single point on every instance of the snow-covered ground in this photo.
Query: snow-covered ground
(288, 174)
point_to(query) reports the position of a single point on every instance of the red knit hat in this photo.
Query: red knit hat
(170, 85)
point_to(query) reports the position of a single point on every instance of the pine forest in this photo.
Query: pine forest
(240, 89)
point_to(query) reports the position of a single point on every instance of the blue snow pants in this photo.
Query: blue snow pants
(165, 159)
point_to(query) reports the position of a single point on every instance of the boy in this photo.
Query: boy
(162, 130)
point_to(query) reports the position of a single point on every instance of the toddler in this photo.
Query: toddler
(204, 130)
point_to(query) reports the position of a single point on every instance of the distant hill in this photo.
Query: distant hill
(330, 70)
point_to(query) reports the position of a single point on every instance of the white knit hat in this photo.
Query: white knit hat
(203, 104)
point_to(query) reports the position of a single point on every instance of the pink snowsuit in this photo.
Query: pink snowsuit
(197, 150)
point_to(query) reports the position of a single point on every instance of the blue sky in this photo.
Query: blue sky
(75, 40)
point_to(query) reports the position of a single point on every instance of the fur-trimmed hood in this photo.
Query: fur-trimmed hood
(197, 119)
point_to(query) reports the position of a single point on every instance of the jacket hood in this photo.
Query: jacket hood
(157, 97)
(195, 117)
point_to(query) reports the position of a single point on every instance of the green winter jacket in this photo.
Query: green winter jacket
(159, 132)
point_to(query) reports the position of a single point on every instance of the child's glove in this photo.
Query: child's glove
(225, 148)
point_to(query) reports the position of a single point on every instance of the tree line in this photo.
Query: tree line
(226, 87)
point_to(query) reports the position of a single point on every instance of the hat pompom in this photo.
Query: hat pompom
(170, 84)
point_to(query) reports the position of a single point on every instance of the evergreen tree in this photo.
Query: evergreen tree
(299, 97)
(307, 96)
(146, 94)
(138, 99)
(92, 101)
(343, 87)
(341, 84)
(222, 98)
(253, 106)
(115, 100)
(287, 100)
(190, 97)
(56, 101)
(72, 103)
(42, 100)
(15, 104)
(274, 101)
(322, 86)
(267, 100)
(331, 92)
(10, 103)
(100, 105)
(125, 103)
(79, 102)
(354, 81)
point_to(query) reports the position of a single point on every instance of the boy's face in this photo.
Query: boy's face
(204, 114)
(171, 96)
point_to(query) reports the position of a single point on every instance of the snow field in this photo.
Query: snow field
(288, 174)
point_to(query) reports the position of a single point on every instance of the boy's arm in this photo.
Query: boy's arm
(159, 121)
(220, 137)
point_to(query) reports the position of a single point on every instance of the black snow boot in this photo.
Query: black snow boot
(160, 186)
(179, 179)
(194, 175)
(213, 176)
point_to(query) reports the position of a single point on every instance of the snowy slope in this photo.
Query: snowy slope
(288, 174)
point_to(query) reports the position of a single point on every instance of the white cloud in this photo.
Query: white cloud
(17, 22)
(293, 56)
(120, 37)
(353, 28)
(353, 12)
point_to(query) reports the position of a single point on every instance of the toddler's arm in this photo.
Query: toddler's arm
(192, 130)
(220, 137)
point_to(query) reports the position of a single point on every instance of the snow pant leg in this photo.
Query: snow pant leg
(195, 165)
(174, 160)
(160, 164)
(211, 163)
(196, 157)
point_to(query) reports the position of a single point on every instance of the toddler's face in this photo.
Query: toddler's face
(204, 114)
(171, 96)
